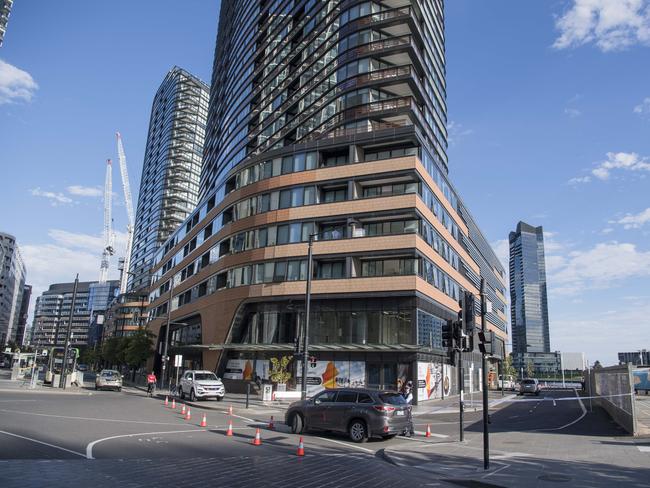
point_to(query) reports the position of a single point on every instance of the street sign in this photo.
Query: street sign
(178, 360)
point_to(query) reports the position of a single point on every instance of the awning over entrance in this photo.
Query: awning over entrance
(316, 347)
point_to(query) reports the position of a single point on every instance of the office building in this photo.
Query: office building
(326, 119)
(528, 299)
(638, 358)
(5, 11)
(22, 334)
(172, 166)
(126, 314)
(52, 312)
(12, 282)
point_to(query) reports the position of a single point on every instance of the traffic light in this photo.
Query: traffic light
(467, 314)
(486, 342)
(448, 335)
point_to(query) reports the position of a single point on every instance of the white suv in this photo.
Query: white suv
(201, 384)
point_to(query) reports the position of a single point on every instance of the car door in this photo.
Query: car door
(343, 408)
(317, 412)
(186, 382)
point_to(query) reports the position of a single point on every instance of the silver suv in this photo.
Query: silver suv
(359, 413)
(201, 384)
(529, 385)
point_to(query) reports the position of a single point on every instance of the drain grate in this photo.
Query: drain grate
(555, 478)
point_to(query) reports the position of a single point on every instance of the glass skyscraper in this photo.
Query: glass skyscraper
(169, 185)
(326, 118)
(528, 298)
(12, 285)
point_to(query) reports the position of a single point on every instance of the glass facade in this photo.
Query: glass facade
(12, 284)
(528, 300)
(172, 166)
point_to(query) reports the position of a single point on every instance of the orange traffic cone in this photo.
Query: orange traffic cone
(301, 448)
(204, 422)
(189, 414)
(428, 434)
(174, 403)
(166, 400)
(183, 409)
(258, 438)
(271, 426)
(230, 410)
(229, 431)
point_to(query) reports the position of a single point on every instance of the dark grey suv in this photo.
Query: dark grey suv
(359, 413)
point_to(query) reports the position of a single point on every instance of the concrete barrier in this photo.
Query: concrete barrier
(613, 390)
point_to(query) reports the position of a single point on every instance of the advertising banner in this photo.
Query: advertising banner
(323, 375)
(430, 381)
(239, 369)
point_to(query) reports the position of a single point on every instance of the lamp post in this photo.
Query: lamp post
(169, 313)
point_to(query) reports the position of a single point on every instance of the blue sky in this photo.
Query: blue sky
(549, 114)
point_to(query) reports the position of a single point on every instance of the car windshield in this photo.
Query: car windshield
(529, 382)
(109, 374)
(205, 377)
(392, 398)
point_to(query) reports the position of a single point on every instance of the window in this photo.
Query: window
(287, 165)
(285, 199)
(326, 397)
(334, 269)
(346, 397)
(310, 195)
(364, 398)
(280, 271)
(334, 195)
(283, 234)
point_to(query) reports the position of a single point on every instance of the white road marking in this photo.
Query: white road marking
(41, 442)
(94, 419)
(346, 444)
(644, 448)
(89, 447)
(584, 412)
(505, 466)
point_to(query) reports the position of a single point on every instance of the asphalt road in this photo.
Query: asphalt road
(108, 438)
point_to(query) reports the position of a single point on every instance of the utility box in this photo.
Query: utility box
(267, 393)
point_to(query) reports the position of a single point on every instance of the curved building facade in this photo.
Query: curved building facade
(326, 118)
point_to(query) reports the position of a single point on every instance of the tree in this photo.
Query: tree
(139, 348)
(279, 373)
(597, 365)
(110, 351)
(529, 369)
(508, 368)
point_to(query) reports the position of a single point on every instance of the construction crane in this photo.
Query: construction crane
(108, 233)
(129, 212)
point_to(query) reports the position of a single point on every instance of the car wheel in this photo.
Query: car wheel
(96, 387)
(219, 398)
(192, 395)
(297, 424)
(358, 431)
(119, 389)
(181, 394)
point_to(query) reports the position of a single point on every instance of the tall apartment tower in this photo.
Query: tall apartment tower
(5, 11)
(12, 282)
(326, 119)
(52, 311)
(169, 185)
(22, 334)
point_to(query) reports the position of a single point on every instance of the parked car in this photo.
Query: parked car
(529, 385)
(201, 384)
(82, 367)
(508, 382)
(108, 379)
(359, 413)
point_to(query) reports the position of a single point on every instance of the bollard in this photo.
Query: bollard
(248, 392)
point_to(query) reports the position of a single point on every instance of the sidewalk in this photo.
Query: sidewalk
(473, 402)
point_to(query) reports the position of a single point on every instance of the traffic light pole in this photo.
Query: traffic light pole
(460, 393)
(486, 433)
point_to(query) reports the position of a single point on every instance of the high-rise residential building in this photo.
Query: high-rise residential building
(169, 185)
(12, 282)
(528, 297)
(5, 11)
(327, 119)
(127, 313)
(22, 334)
(52, 312)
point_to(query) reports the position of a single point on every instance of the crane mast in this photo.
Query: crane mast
(129, 211)
(108, 234)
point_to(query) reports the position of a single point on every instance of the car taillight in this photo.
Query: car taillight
(384, 408)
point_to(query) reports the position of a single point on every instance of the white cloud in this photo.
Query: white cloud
(502, 249)
(15, 84)
(615, 161)
(55, 198)
(572, 112)
(580, 179)
(65, 255)
(633, 221)
(643, 108)
(456, 132)
(603, 266)
(85, 191)
(611, 25)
